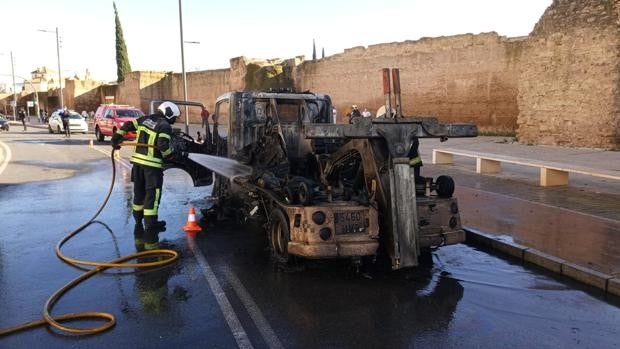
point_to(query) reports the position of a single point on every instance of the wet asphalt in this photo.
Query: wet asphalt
(468, 298)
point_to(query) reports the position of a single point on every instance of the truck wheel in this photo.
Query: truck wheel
(304, 194)
(445, 186)
(100, 137)
(58, 129)
(426, 256)
(279, 236)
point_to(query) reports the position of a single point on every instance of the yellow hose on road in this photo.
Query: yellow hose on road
(56, 321)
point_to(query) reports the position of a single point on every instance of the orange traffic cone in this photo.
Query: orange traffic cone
(191, 226)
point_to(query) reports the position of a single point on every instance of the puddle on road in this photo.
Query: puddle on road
(51, 164)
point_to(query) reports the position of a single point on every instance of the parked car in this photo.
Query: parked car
(110, 117)
(76, 123)
(4, 124)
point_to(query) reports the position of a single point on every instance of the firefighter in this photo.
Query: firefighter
(415, 160)
(147, 173)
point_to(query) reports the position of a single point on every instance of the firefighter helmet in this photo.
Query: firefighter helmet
(170, 111)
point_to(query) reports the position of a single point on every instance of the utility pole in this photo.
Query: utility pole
(14, 89)
(183, 69)
(62, 102)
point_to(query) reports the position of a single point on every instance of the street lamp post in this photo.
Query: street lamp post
(183, 68)
(14, 89)
(62, 102)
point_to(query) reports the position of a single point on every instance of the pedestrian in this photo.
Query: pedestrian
(147, 173)
(366, 113)
(41, 118)
(85, 115)
(64, 115)
(355, 113)
(21, 115)
(334, 115)
(204, 115)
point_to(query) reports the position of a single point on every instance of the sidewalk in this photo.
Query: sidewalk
(578, 222)
(593, 158)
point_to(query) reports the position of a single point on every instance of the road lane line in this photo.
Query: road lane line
(7, 156)
(241, 337)
(122, 162)
(252, 308)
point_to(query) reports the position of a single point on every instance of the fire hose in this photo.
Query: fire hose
(56, 322)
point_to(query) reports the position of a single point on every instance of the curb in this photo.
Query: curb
(609, 284)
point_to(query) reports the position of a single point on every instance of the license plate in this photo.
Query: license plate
(349, 222)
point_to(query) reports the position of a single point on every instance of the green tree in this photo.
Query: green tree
(122, 59)
(313, 51)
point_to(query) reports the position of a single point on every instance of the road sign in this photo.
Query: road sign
(13, 103)
(29, 104)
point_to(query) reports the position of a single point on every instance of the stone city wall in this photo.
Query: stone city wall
(82, 95)
(463, 78)
(559, 85)
(569, 76)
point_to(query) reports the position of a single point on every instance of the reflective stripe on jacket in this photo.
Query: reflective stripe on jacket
(153, 130)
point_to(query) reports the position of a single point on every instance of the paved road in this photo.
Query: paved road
(225, 292)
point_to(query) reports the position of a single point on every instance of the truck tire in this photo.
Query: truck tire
(100, 137)
(279, 237)
(445, 186)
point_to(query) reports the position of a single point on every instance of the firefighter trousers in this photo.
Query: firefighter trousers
(147, 184)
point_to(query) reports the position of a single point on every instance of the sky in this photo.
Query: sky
(227, 29)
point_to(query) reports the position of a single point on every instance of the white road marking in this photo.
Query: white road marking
(252, 308)
(226, 308)
(121, 161)
(7, 156)
(241, 337)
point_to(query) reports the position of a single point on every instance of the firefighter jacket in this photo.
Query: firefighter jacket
(155, 131)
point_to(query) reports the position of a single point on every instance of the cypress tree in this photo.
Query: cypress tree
(313, 51)
(122, 59)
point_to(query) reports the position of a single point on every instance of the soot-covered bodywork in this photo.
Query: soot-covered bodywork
(330, 190)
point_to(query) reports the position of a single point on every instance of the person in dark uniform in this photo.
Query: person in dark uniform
(415, 161)
(147, 173)
(21, 115)
(355, 113)
(64, 115)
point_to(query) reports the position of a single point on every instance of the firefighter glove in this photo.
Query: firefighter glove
(116, 141)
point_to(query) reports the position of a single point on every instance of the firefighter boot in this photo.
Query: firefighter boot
(151, 222)
(138, 236)
(137, 216)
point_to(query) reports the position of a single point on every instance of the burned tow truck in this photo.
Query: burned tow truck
(330, 190)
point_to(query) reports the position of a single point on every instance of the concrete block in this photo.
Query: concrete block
(586, 275)
(510, 248)
(488, 166)
(440, 157)
(613, 287)
(543, 260)
(550, 177)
